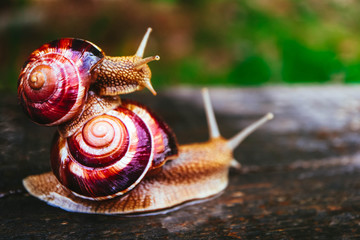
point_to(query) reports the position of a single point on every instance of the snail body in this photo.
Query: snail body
(118, 157)
(175, 184)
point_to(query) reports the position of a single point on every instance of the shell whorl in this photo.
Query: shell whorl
(94, 106)
(54, 81)
(165, 142)
(112, 152)
(107, 157)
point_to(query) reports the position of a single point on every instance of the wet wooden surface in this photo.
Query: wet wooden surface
(300, 176)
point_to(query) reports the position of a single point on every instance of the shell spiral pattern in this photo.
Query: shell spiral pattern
(165, 143)
(54, 81)
(106, 158)
(112, 152)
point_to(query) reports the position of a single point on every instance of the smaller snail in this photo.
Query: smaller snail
(199, 171)
(55, 79)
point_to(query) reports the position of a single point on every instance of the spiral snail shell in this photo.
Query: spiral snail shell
(118, 157)
(111, 153)
(55, 79)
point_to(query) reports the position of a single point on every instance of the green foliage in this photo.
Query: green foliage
(252, 71)
(224, 42)
(305, 65)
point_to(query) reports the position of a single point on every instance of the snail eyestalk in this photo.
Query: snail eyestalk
(210, 116)
(142, 46)
(139, 64)
(238, 138)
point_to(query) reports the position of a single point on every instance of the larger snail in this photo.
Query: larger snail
(109, 155)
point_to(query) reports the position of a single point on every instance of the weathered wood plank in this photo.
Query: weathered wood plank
(300, 176)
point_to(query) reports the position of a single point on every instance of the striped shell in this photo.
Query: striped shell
(54, 81)
(112, 152)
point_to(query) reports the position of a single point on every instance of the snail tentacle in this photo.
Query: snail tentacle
(239, 137)
(214, 129)
(142, 46)
(210, 116)
(140, 63)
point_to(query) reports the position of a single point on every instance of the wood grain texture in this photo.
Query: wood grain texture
(299, 179)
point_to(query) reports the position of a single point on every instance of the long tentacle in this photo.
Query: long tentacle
(141, 49)
(210, 116)
(238, 138)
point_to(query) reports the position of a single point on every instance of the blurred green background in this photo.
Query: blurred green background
(222, 42)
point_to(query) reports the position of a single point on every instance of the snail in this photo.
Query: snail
(118, 157)
(55, 79)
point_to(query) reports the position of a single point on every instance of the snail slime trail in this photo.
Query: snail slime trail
(110, 155)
